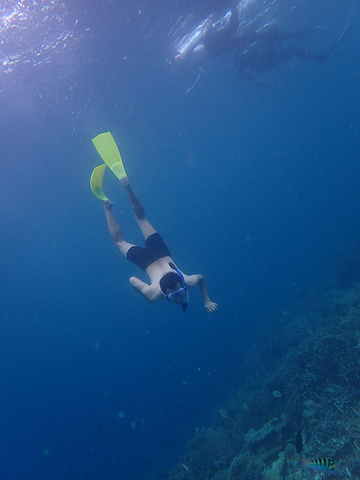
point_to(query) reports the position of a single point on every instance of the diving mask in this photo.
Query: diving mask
(181, 297)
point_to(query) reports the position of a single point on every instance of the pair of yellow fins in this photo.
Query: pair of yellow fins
(109, 152)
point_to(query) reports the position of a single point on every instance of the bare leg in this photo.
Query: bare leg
(135, 203)
(145, 226)
(115, 230)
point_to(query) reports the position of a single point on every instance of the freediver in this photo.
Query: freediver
(167, 281)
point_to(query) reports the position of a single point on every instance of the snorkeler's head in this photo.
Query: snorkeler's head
(173, 285)
(170, 282)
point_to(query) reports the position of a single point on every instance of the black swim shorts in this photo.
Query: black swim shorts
(155, 248)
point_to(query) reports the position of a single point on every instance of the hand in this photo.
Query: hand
(210, 306)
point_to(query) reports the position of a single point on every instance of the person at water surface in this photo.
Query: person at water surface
(258, 50)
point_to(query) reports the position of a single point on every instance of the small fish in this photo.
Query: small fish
(223, 413)
(299, 441)
(320, 464)
(186, 467)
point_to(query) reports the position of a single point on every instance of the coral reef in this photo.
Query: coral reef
(310, 358)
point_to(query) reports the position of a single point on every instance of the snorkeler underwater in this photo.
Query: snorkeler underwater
(258, 43)
(168, 282)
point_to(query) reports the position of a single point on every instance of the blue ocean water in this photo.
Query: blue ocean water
(253, 184)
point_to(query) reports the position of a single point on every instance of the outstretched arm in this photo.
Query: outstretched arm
(198, 279)
(143, 288)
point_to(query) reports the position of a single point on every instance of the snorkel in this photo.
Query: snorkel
(180, 297)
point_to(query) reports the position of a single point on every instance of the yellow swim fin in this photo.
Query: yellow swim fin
(96, 180)
(109, 152)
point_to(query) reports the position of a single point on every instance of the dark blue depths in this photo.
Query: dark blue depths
(255, 185)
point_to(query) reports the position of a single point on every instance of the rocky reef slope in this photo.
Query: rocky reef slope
(302, 380)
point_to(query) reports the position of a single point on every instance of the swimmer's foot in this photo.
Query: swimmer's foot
(125, 181)
(108, 204)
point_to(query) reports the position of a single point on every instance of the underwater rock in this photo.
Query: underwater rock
(277, 469)
(221, 475)
(210, 451)
(268, 439)
(290, 451)
(311, 410)
(247, 467)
